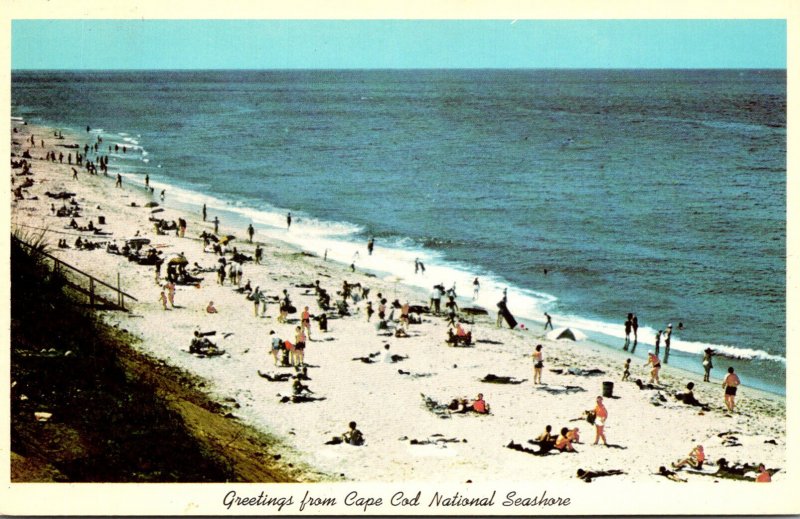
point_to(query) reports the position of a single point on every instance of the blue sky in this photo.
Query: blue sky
(309, 44)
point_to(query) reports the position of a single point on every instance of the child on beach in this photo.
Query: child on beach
(563, 442)
(479, 405)
(171, 293)
(163, 298)
(353, 436)
(626, 370)
(210, 308)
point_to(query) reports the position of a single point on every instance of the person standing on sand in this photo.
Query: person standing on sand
(276, 347)
(288, 220)
(171, 293)
(370, 245)
(204, 212)
(163, 298)
(146, 180)
(258, 254)
(299, 346)
(305, 322)
(74, 174)
(216, 225)
(163, 193)
(628, 326)
(476, 288)
(707, 364)
(667, 340)
(635, 327)
(658, 340)
(652, 359)
(250, 232)
(731, 383)
(119, 181)
(549, 321)
(538, 364)
(600, 417)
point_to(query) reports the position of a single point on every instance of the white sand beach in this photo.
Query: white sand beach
(387, 405)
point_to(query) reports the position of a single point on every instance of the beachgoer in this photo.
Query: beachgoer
(652, 359)
(353, 436)
(658, 340)
(277, 346)
(370, 245)
(305, 322)
(574, 435)
(163, 191)
(731, 383)
(146, 180)
(667, 341)
(163, 298)
(258, 254)
(546, 436)
(476, 288)
(416, 265)
(299, 346)
(549, 321)
(250, 232)
(563, 442)
(210, 308)
(635, 327)
(538, 364)
(204, 212)
(695, 459)
(119, 181)
(369, 310)
(663, 471)
(479, 405)
(288, 220)
(626, 370)
(601, 415)
(628, 327)
(707, 364)
(171, 293)
(216, 225)
(763, 475)
(436, 299)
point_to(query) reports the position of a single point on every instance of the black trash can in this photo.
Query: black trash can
(608, 389)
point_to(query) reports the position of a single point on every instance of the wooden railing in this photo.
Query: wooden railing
(83, 282)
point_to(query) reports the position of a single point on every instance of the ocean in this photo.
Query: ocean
(587, 194)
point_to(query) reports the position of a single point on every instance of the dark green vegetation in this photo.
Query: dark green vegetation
(117, 416)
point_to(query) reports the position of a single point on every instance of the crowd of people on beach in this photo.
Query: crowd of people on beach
(288, 341)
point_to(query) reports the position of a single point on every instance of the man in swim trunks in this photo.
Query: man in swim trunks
(730, 384)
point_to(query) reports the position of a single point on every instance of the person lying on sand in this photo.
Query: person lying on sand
(588, 475)
(695, 459)
(663, 471)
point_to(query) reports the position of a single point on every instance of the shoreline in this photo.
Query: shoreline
(525, 304)
(518, 411)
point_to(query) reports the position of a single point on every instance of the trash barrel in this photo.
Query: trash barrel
(101, 220)
(608, 389)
